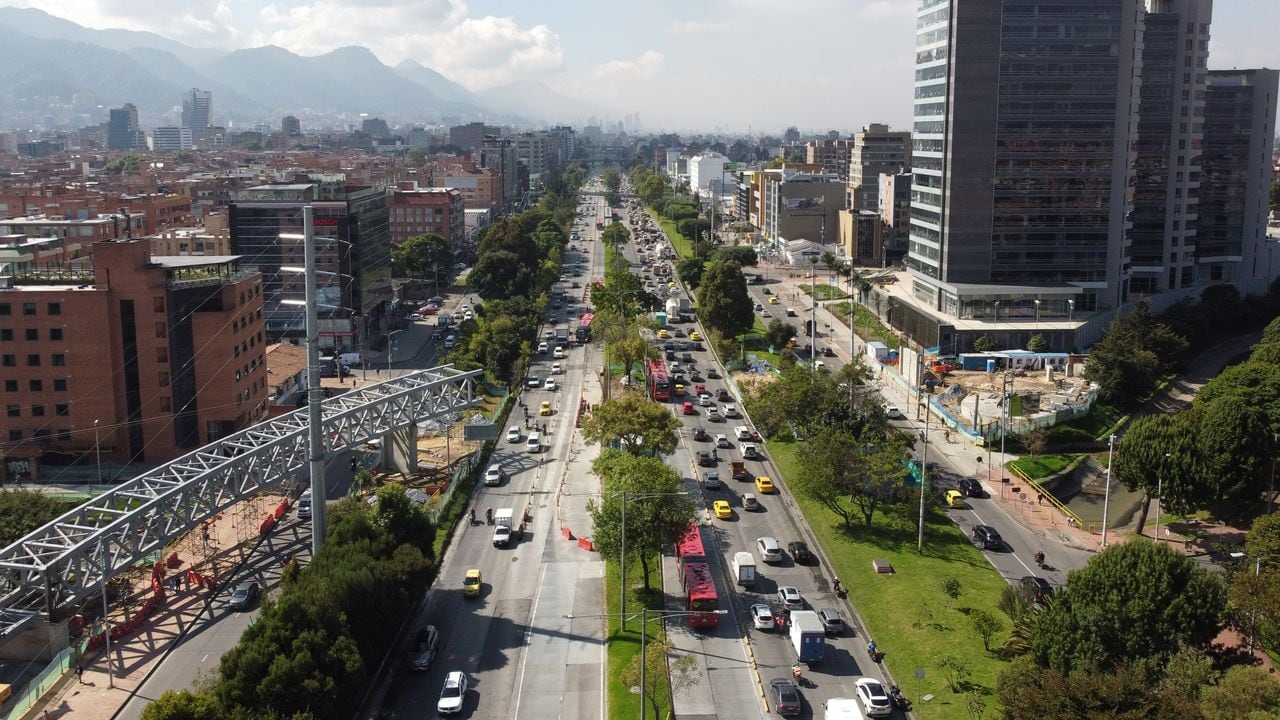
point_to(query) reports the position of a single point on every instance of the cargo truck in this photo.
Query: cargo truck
(808, 636)
(739, 470)
(744, 569)
(842, 709)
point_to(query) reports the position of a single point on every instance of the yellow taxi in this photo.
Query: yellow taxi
(694, 336)
(545, 408)
(764, 485)
(722, 510)
(663, 334)
(679, 389)
(953, 499)
(671, 286)
(471, 583)
(773, 300)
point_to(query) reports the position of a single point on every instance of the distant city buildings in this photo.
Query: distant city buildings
(197, 106)
(171, 139)
(290, 125)
(123, 132)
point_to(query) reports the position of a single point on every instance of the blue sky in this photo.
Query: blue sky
(692, 65)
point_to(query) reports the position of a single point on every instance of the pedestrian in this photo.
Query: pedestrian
(80, 673)
(1040, 499)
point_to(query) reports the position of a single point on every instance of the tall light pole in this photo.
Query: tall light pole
(1037, 301)
(1160, 495)
(97, 450)
(622, 600)
(1106, 495)
(812, 256)
(357, 329)
(106, 631)
(924, 460)
(1005, 380)
(391, 349)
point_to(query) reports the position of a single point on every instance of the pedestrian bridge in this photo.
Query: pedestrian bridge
(47, 574)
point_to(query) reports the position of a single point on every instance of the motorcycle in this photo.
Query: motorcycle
(1039, 558)
(898, 700)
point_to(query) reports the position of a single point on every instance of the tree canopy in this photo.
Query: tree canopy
(425, 255)
(1135, 351)
(848, 473)
(723, 302)
(23, 511)
(638, 425)
(658, 509)
(1133, 603)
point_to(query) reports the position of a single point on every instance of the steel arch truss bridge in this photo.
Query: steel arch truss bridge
(50, 571)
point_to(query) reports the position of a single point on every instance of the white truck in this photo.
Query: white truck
(808, 636)
(842, 709)
(744, 569)
(502, 517)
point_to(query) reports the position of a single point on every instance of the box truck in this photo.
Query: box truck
(808, 636)
(744, 569)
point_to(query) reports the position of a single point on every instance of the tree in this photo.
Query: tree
(690, 271)
(1132, 354)
(744, 255)
(501, 274)
(1029, 692)
(805, 402)
(955, 670)
(1255, 383)
(1037, 344)
(844, 472)
(986, 625)
(23, 511)
(681, 672)
(1235, 447)
(658, 508)
(638, 425)
(723, 302)
(623, 294)
(183, 705)
(497, 346)
(1158, 453)
(629, 353)
(1188, 672)
(984, 343)
(1243, 690)
(950, 587)
(778, 334)
(650, 189)
(1035, 441)
(1133, 603)
(1263, 541)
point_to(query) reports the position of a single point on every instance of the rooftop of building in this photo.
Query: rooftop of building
(284, 360)
(176, 262)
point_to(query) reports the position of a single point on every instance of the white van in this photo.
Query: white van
(742, 433)
(351, 359)
(304, 506)
(534, 443)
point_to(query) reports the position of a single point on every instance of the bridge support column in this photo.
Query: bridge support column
(400, 450)
(38, 641)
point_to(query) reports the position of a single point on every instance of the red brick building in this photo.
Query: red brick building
(146, 359)
(417, 211)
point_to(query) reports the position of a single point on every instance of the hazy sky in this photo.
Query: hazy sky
(687, 64)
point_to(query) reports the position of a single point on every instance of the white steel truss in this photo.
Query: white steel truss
(49, 571)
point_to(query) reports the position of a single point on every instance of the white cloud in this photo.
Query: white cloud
(647, 65)
(697, 26)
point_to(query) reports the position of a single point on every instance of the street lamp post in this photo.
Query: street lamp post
(391, 349)
(1071, 310)
(1037, 301)
(106, 631)
(97, 450)
(997, 310)
(1160, 495)
(813, 308)
(1005, 380)
(1106, 495)
(622, 571)
(358, 330)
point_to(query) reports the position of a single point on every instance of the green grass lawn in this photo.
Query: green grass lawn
(623, 647)
(683, 246)
(907, 613)
(1036, 467)
(826, 291)
(869, 326)
(1100, 420)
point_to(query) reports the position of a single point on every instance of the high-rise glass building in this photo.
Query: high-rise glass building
(1023, 124)
(197, 105)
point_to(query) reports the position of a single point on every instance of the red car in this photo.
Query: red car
(688, 409)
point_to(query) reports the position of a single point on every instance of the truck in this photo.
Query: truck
(502, 517)
(443, 319)
(744, 569)
(842, 709)
(808, 636)
(738, 470)
(562, 336)
(677, 305)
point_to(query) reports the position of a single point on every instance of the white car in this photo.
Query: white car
(501, 536)
(874, 699)
(514, 434)
(762, 617)
(892, 411)
(713, 413)
(533, 383)
(730, 411)
(769, 549)
(493, 475)
(550, 384)
(704, 399)
(556, 369)
(790, 598)
(559, 353)
(542, 348)
(722, 442)
(454, 693)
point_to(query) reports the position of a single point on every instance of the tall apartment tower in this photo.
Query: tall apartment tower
(122, 129)
(1239, 129)
(1023, 124)
(832, 154)
(290, 125)
(876, 150)
(197, 105)
(1162, 240)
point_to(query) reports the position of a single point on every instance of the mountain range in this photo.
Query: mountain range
(42, 55)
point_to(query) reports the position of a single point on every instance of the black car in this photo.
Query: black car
(786, 698)
(243, 596)
(987, 537)
(1036, 589)
(671, 354)
(971, 488)
(686, 357)
(700, 434)
(711, 373)
(800, 553)
(706, 459)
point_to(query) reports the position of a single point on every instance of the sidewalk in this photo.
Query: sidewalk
(100, 697)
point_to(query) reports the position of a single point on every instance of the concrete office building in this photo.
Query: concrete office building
(122, 129)
(1020, 160)
(499, 155)
(197, 106)
(832, 155)
(802, 206)
(874, 151)
(170, 139)
(706, 173)
(1236, 164)
(290, 125)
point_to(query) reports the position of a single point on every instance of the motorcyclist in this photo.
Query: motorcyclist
(1039, 557)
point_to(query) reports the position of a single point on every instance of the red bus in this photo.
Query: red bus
(700, 595)
(659, 386)
(584, 328)
(689, 548)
